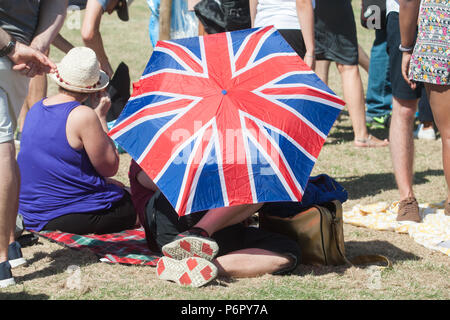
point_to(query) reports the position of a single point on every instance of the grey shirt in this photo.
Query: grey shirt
(20, 18)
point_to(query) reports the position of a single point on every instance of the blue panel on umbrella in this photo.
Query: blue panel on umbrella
(267, 184)
(237, 37)
(159, 61)
(308, 79)
(192, 44)
(134, 142)
(138, 104)
(172, 179)
(207, 192)
(275, 44)
(300, 164)
(320, 114)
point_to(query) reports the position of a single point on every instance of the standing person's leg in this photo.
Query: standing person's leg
(13, 89)
(402, 123)
(354, 98)
(322, 69)
(425, 130)
(439, 97)
(36, 92)
(402, 144)
(363, 59)
(9, 196)
(379, 91)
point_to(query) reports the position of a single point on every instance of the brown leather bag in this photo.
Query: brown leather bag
(319, 232)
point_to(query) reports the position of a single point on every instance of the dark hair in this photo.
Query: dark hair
(78, 95)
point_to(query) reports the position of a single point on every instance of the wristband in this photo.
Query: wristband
(8, 48)
(403, 49)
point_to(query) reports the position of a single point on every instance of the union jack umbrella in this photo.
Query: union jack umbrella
(227, 119)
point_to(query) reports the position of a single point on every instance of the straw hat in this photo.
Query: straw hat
(79, 71)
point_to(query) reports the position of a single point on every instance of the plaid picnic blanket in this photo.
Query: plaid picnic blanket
(126, 247)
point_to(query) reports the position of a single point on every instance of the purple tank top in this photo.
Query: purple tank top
(55, 178)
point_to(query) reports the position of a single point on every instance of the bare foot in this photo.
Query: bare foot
(371, 142)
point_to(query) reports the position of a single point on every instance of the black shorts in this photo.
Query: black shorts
(165, 224)
(335, 32)
(121, 216)
(400, 88)
(295, 39)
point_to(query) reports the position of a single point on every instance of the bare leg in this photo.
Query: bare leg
(36, 92)
(219, 218)
(439, 97)
(322, 70)
(354, 98)
(251, 262)
(363, 59)
(9, 196)
(402, 144)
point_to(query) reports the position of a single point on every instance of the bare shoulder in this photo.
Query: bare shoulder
(82, 114)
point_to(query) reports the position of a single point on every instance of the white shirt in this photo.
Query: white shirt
(282, 14)
(392, 6)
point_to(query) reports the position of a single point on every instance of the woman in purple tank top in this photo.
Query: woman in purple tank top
(66, 156)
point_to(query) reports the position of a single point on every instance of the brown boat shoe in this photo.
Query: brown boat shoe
(408, 210)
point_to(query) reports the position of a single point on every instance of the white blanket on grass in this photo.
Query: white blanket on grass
(433, 232)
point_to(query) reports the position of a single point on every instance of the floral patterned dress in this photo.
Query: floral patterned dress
(430, 61)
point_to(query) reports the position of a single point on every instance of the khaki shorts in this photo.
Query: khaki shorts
(13, 92)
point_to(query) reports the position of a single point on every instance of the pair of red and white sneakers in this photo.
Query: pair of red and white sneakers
(188, 259)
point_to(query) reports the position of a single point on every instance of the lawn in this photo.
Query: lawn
(417, 272)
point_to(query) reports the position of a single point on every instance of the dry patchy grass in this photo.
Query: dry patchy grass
(417, 273)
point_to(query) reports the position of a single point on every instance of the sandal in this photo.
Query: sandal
(371, 142)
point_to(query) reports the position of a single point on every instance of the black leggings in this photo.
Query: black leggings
(121, 216)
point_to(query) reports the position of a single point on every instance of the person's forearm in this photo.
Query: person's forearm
(253, 5)
(409, 12)
(5, 38)
(305, 15)
(95, 42)
(62, 44)
(51, 19)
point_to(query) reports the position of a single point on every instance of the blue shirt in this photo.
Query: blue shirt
(55, 178)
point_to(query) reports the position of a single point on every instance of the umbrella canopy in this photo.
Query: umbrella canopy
(227, 119)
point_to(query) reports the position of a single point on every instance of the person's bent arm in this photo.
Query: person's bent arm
(89, 128)
(62, 44)
(84, 123)
(409, 12)
(305, 14)
(51, 19)
(90, 33)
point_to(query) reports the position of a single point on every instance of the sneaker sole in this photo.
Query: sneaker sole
(193, 271)
(7, 282)
(17, 262)
(191, 247)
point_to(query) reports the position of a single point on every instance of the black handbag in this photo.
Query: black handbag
(223, 15)
(211, 16)
(236, 14)
(373, 14)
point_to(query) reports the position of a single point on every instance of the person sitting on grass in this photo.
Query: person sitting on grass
(66, 157)
(200, 246)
